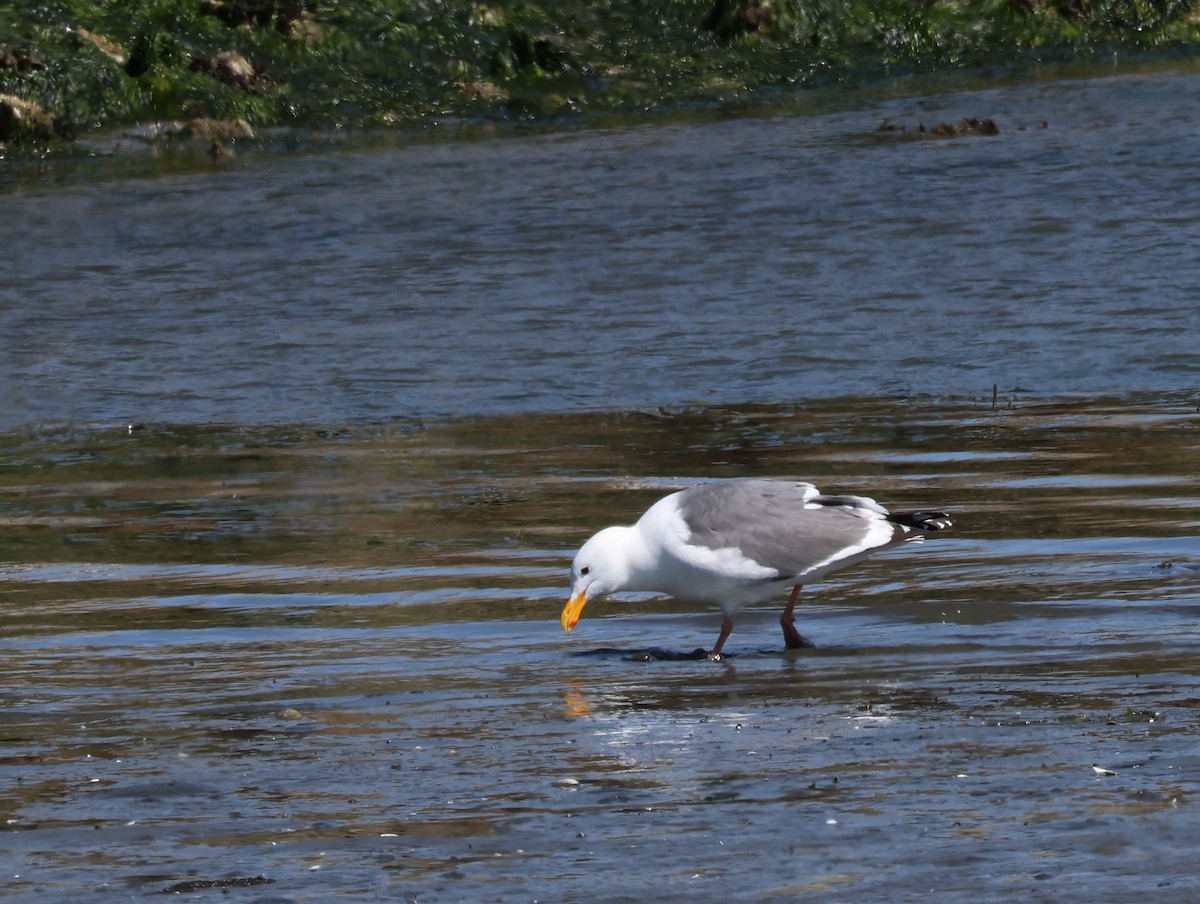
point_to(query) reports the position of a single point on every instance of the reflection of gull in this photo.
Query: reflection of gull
(736, 542)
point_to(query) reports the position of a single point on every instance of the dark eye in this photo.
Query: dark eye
(585, 569)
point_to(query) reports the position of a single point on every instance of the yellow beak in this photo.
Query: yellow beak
(571, 612)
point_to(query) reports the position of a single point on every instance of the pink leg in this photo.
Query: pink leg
(792, 638)
(726, 627)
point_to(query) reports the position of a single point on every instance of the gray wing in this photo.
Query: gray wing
(789, 527)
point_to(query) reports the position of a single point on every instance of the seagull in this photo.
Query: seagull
(738, 542)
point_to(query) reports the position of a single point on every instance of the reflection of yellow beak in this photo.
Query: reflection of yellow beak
(577, 704)
(570, 613)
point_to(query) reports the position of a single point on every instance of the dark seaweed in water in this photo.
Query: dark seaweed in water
(204, 884)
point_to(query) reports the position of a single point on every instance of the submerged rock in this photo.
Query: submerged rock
(729, 20)
(231, 68)
(482, 91)
(967, 126)
(218, 129)
(238, 13)
(24, 120)
(201, 127)
(22, 62)
(111, 49)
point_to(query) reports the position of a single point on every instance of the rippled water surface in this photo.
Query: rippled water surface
(332, 660)
(750, 260)
(295, 455)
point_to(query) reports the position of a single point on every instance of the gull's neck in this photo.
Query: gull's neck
(637, 553)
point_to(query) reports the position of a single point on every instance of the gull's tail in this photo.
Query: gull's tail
(922, 521)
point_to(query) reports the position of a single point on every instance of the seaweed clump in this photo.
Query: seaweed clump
(68, 66)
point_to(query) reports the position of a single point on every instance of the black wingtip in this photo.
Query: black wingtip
(925, 521)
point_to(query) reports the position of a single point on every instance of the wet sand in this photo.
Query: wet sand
(357, 686)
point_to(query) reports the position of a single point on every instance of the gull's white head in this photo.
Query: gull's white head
(601, 567)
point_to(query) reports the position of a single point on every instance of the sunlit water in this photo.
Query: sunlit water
(296, 454)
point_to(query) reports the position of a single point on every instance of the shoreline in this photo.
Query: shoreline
(227, 70)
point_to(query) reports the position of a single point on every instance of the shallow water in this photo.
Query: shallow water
(398, 589)
(296, 455)
(746, 260)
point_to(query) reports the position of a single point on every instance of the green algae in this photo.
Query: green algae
(387, 63)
